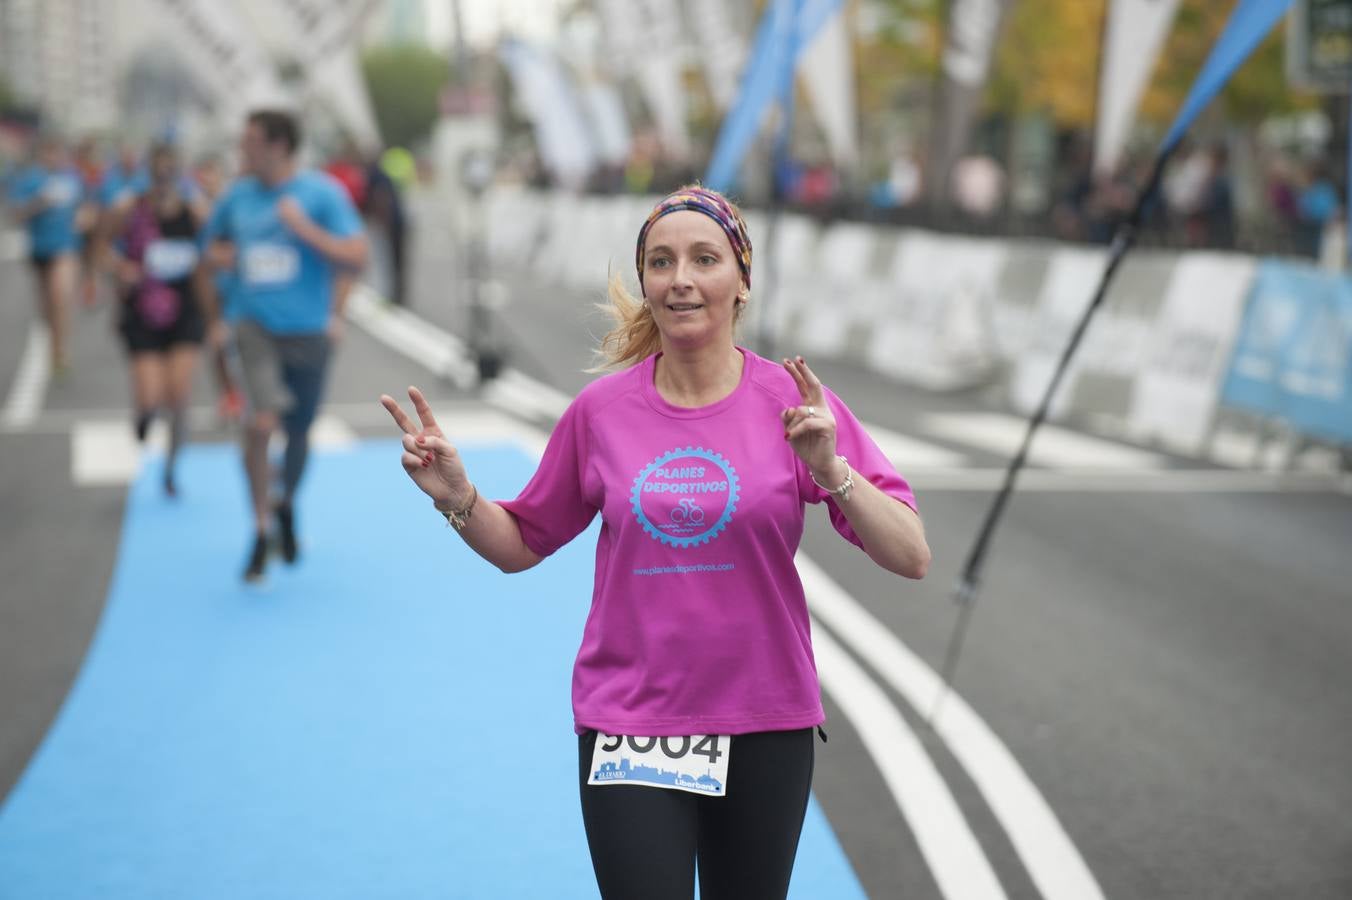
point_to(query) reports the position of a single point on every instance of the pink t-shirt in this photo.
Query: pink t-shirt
(698, 622)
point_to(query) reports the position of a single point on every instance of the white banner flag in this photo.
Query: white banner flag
(1133, 36)
(645, 43)
(827, 70)
(581, 48)
(721, 46)
(545, 92)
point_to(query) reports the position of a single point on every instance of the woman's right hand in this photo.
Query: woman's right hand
(429, 459)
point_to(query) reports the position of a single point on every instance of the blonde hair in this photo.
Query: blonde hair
(634, 335)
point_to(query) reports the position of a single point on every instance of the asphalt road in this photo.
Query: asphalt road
(1162, 647)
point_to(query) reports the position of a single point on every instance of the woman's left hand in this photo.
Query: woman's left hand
(810, 428)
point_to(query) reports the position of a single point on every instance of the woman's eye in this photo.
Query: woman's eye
(659, 263)
(707, 260)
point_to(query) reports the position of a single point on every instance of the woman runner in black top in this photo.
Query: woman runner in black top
(155, 257)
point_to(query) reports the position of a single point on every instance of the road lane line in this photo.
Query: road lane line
(946, 840)
(30, 381)
(1162, 481)
(329, 432)
(13, 244)
(413, 336)
(1051, 858)
(1053, 446)
(908, 453)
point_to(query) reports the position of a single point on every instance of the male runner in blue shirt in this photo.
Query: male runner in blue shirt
(293, 240)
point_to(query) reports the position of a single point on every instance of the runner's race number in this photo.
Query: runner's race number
(696, 763)
(270, 265)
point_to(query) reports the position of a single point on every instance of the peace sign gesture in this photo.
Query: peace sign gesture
(810, 428)
(429, 459)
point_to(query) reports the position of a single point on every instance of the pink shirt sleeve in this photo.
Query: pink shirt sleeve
(551, 509)
(866, 459)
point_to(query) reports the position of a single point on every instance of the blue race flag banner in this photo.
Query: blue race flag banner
(1249, 24)
(785, 29)
(1293, 357)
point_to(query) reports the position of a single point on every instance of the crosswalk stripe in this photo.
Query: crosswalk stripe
(1053, 446)
(30, 382)
(909, 453)
(103, 452)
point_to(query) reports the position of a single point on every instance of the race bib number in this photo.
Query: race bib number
(696, 763)
(170, 260)
(61, 190)
(270, 265)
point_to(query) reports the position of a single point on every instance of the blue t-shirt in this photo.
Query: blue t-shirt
(52, 231)
(118, 183)
(282, 283)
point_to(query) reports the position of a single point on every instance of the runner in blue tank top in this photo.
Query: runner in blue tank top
(47, 197)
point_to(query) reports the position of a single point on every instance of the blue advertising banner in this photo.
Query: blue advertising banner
(786, 27)
(1248, 25)
(1293, 358)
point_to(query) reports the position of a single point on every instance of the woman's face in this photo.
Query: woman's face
(690, 278)
(163, 167)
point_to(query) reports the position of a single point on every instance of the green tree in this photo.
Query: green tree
(405, 83)
(1048, 62)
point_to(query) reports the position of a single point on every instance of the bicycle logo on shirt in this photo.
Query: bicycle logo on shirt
(687, 510)
(685, 497)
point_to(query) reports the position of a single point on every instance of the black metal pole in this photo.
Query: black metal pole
(969, 581)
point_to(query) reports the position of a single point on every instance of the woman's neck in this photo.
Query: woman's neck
(698, 377)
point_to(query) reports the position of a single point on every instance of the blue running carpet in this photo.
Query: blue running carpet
(389, 718)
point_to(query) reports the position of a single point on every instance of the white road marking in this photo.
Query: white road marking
(30, 381)
(331, 433)
(410, 334)
(908, 453)
(1161, 481)
(519, 393)
(1053, 446)
(1052, 861)
(946, 840)
(488, 426)
(104, 452)
(13, 245)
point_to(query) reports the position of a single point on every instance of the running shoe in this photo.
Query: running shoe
(258, 560)
(286, 532)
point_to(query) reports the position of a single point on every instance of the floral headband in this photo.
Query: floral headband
(715, 206)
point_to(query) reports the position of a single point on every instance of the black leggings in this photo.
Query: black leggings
(645, 840)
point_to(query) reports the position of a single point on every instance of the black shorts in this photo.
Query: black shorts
(646, 841)
(42, 263)
(189, 328)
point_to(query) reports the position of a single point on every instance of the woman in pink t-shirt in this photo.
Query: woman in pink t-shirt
(695, 691)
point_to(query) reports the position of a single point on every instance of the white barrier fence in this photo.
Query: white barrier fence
(948, 311)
